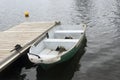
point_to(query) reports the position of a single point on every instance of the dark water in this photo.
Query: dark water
(101, 59)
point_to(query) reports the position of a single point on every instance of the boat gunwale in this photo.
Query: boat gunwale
(65, 52)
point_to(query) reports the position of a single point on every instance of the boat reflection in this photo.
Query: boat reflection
(63, 71)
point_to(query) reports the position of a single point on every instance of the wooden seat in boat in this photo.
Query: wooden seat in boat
(54, 43)
(61, 40)
(61, 34)
(69, 31)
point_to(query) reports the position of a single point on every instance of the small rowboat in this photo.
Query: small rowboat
(57, 45)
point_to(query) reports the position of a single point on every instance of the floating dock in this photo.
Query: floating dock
(25, 35)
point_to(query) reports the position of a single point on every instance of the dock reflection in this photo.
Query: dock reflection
(23, 69)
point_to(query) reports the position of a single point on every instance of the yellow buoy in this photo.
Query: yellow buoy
(26, 13)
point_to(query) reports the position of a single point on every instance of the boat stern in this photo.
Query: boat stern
(43, 59)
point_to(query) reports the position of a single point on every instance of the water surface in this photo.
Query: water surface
(101, 59)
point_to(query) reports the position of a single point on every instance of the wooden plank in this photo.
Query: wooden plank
(33, 26)
(4, 53)
(22, 38)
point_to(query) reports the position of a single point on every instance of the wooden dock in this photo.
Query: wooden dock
(24, 34)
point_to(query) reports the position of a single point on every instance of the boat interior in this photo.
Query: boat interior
(58, 40)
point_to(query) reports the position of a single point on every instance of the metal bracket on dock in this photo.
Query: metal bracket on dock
(17, 47)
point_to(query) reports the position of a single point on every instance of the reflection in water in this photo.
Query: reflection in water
(63, 71)
(22, 69)
(102, 52)
(13, 72)
(81, 11)
(28, 74)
